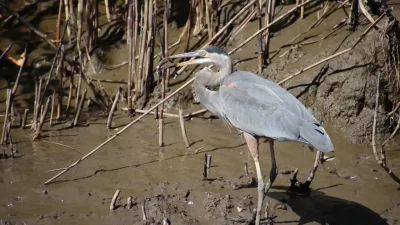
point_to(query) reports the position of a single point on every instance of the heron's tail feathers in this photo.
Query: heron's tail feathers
(315, 135)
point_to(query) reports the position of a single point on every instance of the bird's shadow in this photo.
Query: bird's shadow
(323, 209)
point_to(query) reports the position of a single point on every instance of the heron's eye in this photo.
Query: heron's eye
(204, 53)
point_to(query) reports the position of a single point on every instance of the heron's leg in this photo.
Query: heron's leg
(252, 144)
(274, 169)
(304, 188)
(316, 163)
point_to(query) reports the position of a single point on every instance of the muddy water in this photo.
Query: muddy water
(351, 189)
(134, 164)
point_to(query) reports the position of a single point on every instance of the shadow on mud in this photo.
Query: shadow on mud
(324, 209)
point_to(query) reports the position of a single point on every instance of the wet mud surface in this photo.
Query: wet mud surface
(168, 182)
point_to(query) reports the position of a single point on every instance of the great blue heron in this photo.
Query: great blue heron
(257, 107)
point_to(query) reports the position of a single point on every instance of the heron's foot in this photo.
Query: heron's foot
(265, 221)
(296, 187)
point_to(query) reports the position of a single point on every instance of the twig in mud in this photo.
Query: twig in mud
(334, 55)
(109, 81)
(153, 113)
(29, 25)
(6, 51)
(114, 199)
(55, 169)
(9, 101)
(42, 119)
(56, 143)
(144, 212)
(246, 169)
(113, 107)
(209, 158)
(80, 106)
(205, 171)
(183, 129)
(195, 113)
(23, 124)
(113, 67)
(197, 150)
(119, 132)
(129, 202)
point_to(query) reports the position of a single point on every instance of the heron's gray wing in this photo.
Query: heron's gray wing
(255, 117)
(269, 118)
(269, 92)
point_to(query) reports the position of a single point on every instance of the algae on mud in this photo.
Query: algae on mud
(352, 189)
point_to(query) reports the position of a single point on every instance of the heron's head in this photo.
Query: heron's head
(207, 55)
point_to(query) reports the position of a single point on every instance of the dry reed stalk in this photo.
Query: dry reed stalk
(154, 113)
(260, 37)
(56, 58)
(240, 27)
(71, 87)
(72, 20)
(135, 45)
(52, 108)
(58, 23)
(189, 22)
(6, 51)
(148, 72)
(268, 18)
(224, 28)
(79, 109)
(7, 115)
(142, 53)
(269, 25)
(24, 118)
(67, 15)
(114, 200)
(131, 45)
(183, 129)
(160, 131)
(119, 132)
(334, 55)
(38, 104)
(165, 20)
(14, 90)
(302, 10)
(107, 6)
(42, 119)
(60, 75)
(113, 107)
(208, 20)
(78, 48)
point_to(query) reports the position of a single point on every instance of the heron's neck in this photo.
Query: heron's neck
(207, 77)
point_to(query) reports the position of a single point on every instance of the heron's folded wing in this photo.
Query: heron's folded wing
(256, 117)
(269, 92)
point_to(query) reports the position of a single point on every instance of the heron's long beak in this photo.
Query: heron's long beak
(190, 55)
